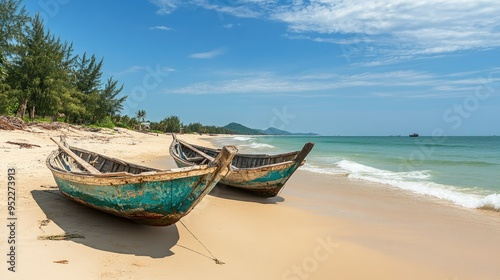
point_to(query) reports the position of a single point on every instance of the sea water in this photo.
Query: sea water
(463, 170)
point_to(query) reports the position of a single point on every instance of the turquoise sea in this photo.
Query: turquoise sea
(463, 170)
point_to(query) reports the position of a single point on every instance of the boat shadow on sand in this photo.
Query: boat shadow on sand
(103, 231)
(227, 192)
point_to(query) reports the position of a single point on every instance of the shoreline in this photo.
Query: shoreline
(319, 227)
(450, 179)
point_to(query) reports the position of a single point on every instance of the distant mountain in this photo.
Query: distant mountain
(275, 131)
(237, 128)
(241, 129)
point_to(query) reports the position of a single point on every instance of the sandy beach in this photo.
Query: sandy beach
(319, 227)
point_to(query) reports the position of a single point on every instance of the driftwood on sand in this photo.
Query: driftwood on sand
(11, 123)
(23, 145)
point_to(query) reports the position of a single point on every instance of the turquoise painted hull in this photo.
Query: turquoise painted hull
(263, 175)
(144, 195)
(158, 203)
(264, 182)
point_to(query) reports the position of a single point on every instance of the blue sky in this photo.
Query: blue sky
(333, 67)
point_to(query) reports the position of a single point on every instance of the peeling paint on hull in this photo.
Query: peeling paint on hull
(263, 183)
(142, 194)
(263, 175)
(152, 203)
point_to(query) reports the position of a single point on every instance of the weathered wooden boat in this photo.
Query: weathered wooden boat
(145, 195)
(263, 175)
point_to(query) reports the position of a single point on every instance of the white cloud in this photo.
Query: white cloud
(166, 7)
(422, 27)
(207, 55)
(160, 27)
(395, 29)
(395, 84)
(147, 69)
(238, 8)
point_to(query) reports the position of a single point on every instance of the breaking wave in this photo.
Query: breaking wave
(419, 182)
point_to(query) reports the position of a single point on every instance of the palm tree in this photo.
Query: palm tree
(141, 115)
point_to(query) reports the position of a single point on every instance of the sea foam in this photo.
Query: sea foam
(418, 182)
(324, 170)
(241, 138)
(254, 145)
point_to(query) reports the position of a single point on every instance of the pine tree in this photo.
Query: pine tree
(13, 19)
(87, 80)
(171, 124)
(40, 76)
(108, 103)
(41, 72)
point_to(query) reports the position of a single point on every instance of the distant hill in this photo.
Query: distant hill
(275, 131)
(237, 128)
(241, 129)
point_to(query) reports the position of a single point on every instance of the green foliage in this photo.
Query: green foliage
(141, 115)
(41, 77)
(125, 121)
(108, 103)
(194, 127)
(45, 120)
(122, 125)
(8, 100)
(39, 73)
(217, 130)
(169, 124)
(88, 74)
(106, 122)
(13, 23)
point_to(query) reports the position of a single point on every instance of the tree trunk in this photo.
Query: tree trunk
(21, 112)
(32, 113)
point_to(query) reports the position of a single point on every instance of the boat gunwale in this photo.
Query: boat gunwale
(118, 182)
(281, 165)
(252, 155)
(114, 178)
(260, 180)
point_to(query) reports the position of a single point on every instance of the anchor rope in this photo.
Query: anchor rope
(217, 261)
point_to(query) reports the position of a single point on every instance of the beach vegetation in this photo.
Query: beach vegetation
(168, 124)
(44, 120)
(141, 115)
(106, 122)
(41, 77)
(43, 80)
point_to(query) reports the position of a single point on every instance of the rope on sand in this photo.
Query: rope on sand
(217, 261)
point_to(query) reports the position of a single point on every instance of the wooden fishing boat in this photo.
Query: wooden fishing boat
(145, 195)
(263, 175)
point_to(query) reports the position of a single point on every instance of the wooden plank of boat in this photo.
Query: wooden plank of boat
(78, 159)
(196, 150)
(142, 194)
(264, 175)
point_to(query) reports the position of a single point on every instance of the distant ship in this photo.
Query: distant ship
(414, 135)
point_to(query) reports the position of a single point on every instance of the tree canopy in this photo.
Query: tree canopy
(40, 76)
